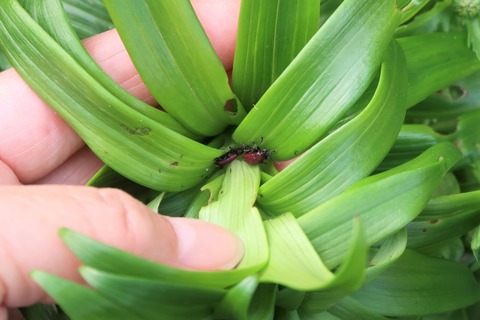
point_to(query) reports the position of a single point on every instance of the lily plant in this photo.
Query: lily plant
(378, 103)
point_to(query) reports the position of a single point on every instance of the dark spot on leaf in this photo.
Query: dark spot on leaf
(434, 221)
(174, 164)
(424, 230)
(231, 106)
(143, 131)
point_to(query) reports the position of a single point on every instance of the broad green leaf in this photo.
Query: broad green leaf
(111, 260)
(389, 252)
(177, 62)
(444, 218)
(151, 299)
(150, 154)
(429, 73)
(234, 210)
(289, 299)
(348, 278)
(270, 34)
(293, 262)
(412, 8)
(237, 300)
(412, 140)
(419, 285)
(385, 202)
(80, 302)
(425, 22)
(450, 102)
(348, 154)
(467, 139)
(50, 15)
(349, 308)
(248, 300)
(330, 73)
(87, 17)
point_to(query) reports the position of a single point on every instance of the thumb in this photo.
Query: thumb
(30, 217)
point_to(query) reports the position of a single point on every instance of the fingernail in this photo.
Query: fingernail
(205, 246)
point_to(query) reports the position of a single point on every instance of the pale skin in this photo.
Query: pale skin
(40, 155)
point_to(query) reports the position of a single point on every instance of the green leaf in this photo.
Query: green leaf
(419, 285)
(49, 14)
(87, 18)
(389, 252)
(323, 81)
(293, 262)
(473, 30)
(93, 305)
(108, 259)
(348, 154)
(385, 202)
(429, 73)
(349, 277)
(444, 218)
(475, 242)
(150, 299)
(162, 38)
(150, 154)
(412, 8)
(270, 34)
(349, 308)
(234, 211)
(425, 22)
(412, 140)
(455, 99)
(248, 300)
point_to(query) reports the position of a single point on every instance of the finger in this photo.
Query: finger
(34, 215)
(76, 170)
(222, 29)
(35, 140)
(7, 176)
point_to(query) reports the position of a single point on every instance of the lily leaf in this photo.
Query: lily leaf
(330, 74)
(348, 278)
(348, 154)
(385, 202)
(270, 34)
(161, 37)
(452, 61)
(150, 153)
(435, 286)
(444, 218)
(94, 306)
(234, 211)
(87, 18)
(153, 299)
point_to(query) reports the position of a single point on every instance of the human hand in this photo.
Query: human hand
(39, 148)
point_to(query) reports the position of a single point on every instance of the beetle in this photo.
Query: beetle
(227, 157)
(251, 155)
(256, 156)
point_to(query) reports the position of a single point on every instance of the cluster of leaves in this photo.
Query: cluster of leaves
(378, 216)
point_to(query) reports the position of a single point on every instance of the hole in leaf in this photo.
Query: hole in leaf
(453, 92)
(231, 106)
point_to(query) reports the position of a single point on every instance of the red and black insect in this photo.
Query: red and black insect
(256, 155)
(251, 155)
(227, 157)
